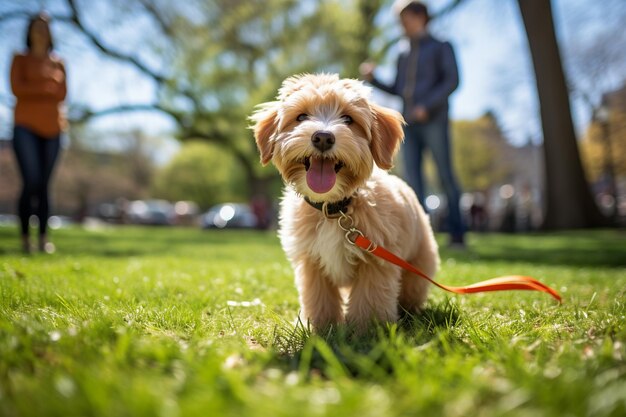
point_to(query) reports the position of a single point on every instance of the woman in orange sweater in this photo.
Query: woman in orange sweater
(38, 82)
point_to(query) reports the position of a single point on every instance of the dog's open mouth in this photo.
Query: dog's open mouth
(321, 173)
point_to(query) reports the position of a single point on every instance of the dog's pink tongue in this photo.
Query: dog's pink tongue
(321, 175)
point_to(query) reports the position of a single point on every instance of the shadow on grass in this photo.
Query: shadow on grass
(604, 248)
(122, 241)
(576, 248)
(376, 353)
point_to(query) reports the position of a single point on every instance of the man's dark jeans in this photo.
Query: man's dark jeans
(36, 157)
(434, 136)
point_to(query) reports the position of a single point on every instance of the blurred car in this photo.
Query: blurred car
(151, 212)
(58, 222)
(229, 215)
(8, 220)
(111, 212)
(186, 213)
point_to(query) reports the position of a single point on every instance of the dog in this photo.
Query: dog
(333, 148)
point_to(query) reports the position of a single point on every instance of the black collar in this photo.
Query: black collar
(331, 208)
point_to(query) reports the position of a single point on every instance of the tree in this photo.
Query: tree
(594, 144)
(595, 64)
(569, 203)
(212, 62)
(87, 176)
(203, 173)
(479, 153)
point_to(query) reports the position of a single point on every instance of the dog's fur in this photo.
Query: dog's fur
(383, 206)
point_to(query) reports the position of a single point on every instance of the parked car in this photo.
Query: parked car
(186, 213)
(151, 212)
(8, 220)
(112, 212)
(58, 222)
(229, 215)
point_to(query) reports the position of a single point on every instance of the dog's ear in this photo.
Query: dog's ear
(265, 123)
(387, 134)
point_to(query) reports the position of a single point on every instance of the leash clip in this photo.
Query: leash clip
(352, 233)
(512, 282)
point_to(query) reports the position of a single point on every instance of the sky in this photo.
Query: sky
(488, 37)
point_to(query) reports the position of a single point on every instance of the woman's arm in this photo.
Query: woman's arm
(62, 84)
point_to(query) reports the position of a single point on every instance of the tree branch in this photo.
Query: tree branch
(224, 141)
(76, 19)
(379, 54)
(189, 133)
(84, 115)
(448, 8)
(165, 26)
(23, 14)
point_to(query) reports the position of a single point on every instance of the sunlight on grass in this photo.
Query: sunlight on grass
(180, 322)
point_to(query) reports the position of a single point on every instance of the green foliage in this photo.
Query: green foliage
(165, 329)
(233, 55)
(203, 173)
(598, 139)
(480, 153)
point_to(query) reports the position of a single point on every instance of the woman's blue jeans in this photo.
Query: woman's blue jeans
(435, 137)
(36, 157)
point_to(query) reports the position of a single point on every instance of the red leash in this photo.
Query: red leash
(509, 282)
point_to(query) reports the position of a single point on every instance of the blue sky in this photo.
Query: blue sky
(496, 72)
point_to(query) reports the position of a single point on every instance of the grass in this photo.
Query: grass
(178, 322)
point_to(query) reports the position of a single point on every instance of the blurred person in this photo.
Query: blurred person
(261, 208)
(426, 76)
(526, 209)
(38, 83)
(478, 213)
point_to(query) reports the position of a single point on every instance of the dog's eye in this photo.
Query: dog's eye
(302, 117)
(347, 119)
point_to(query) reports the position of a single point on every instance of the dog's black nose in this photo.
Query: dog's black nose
(323, 140)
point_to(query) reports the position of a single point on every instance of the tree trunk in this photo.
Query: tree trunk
(569, 202)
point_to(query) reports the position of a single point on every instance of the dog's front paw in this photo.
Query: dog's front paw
(362, 322)
(322, 320)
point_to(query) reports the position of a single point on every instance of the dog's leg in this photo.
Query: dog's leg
(413, 293)
(415, 289)
(320, 299)
(374, 295)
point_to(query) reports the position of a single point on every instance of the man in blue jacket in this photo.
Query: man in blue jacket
(426, 76)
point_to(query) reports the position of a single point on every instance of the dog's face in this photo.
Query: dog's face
(324, 136)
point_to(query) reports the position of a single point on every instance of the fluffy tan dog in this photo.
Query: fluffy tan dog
(325, 138)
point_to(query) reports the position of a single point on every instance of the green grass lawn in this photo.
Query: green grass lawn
(180, 322)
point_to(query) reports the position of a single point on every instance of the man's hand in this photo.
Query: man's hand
(420, 114)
